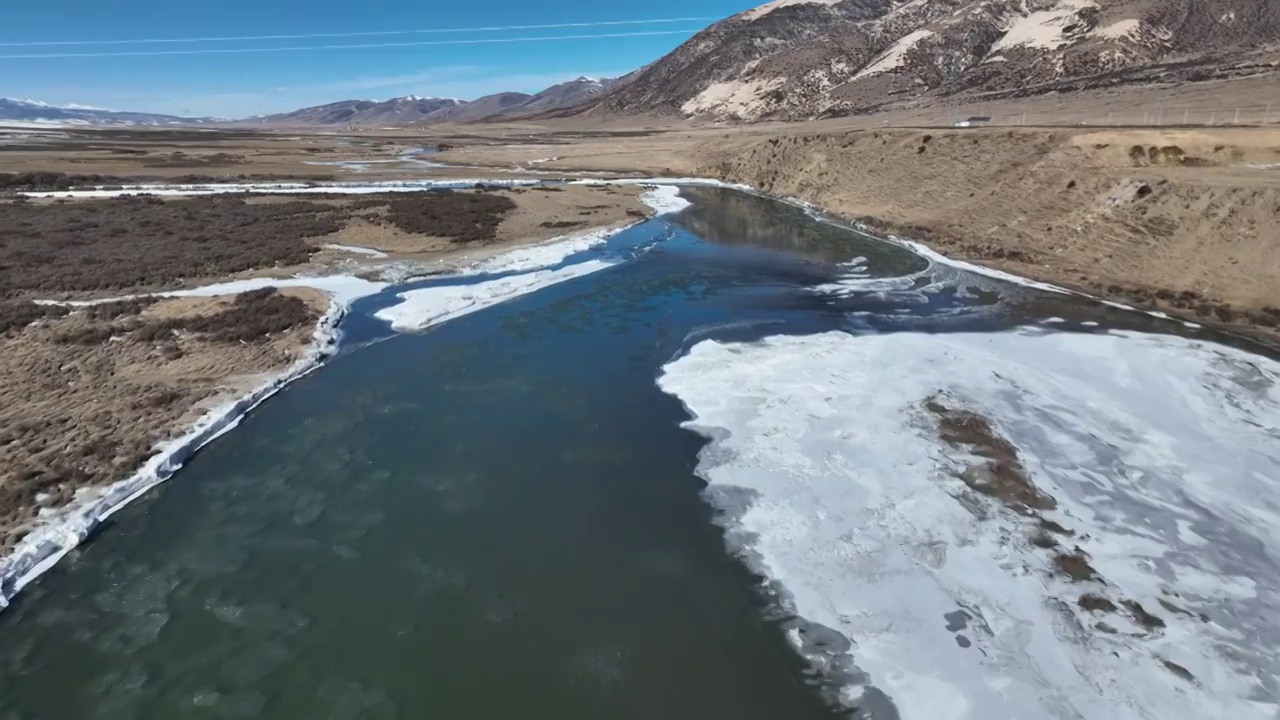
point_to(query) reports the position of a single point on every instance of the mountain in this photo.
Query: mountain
(414, 110)
(565, 95)
(479, 108)
(396, 111)
(35, 111)
(797, 59)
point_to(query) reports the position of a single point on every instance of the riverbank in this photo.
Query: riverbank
(1177, 220)
(1184, 222)
(100, 389)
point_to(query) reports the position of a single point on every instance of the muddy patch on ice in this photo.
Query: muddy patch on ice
(1000, 475)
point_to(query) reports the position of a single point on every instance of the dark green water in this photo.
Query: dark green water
(495, 519)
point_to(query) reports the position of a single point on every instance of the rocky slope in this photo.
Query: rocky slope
(793, 59)
(34, 111)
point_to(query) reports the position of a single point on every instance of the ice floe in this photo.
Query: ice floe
(420, 309)
(1162, 453)
(542, 255)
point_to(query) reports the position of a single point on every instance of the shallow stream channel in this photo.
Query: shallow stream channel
(699, 470)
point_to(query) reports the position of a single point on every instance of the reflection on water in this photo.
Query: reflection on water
(495, 519)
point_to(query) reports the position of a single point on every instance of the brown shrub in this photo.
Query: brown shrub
(52, 181)
(119, 308)
(16, 314)
(462, 217)
(136, 242)
(254, 317)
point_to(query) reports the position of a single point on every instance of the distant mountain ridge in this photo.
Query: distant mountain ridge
(413, 110)
(396, 112)
(13, 109)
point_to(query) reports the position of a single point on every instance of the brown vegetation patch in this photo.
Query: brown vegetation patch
(135, 242)
(255, 316)
(1075, 565)
(463, 217)
(180, 159)
(1141, 616)
(1055, 528)
(119, 308)
(53, 181)
(17, 314)
(1002, 477)
(81, 414)
(1096, 603)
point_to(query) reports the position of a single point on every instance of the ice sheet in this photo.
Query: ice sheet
(664, 199)
(1163, 454)
(342, 289)
(420, 309)
(543, 255)
(286, 188)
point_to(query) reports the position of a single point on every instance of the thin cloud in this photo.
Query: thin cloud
(235, 51)
(384, 33)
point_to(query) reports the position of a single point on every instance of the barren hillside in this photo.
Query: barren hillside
(792, 59)
(1181, 220)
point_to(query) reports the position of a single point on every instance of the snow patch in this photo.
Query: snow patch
(744, 99)
(664, 199)
(1046, 29)
(759, 12)
(356, 249)
(342, 289)
(1120, 30)
(1170, 481)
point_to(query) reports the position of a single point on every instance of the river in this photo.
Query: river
(504, 517)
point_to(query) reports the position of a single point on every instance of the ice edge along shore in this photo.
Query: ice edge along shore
(60, 531)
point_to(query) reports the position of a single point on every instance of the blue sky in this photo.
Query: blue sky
(233, 84)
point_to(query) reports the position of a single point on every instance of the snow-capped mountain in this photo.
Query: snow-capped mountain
(413, 109)
(36, 111)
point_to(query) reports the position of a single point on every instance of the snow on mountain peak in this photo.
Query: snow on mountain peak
(40, 104)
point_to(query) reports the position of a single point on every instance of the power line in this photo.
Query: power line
(231, 51)
(308, 36)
